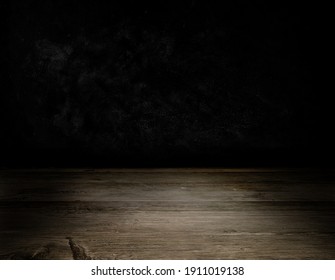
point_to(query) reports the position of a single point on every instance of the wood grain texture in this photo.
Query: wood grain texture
(167, 214)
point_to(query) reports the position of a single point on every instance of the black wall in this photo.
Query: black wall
(165, 84)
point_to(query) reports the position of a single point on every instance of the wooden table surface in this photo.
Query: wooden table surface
(167, 214)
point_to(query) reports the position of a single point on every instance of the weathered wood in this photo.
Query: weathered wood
(167, 214)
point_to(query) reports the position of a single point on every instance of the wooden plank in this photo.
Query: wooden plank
(172, 214)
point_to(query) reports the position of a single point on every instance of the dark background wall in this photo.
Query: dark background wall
(165, 84)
